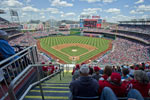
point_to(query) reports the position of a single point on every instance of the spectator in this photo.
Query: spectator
(45, 69)
(77, 67)
(113, 69)
(131, 73)
(107, 73)
(141, 83)
(91, 70)
(76, 73)
(114, 82)
(51, 68)
(85, 86)
(96, 75)
(125, 72)
(136, 67)
(119, 70)
(148, 74)
(5, 49)
(141, 67)
(147, 66)
(108, 94)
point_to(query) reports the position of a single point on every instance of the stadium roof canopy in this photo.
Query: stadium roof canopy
(2, 11)
(135, 21)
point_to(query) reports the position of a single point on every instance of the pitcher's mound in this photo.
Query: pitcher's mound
(74, 50)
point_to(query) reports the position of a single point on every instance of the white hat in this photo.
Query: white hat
(84, 69)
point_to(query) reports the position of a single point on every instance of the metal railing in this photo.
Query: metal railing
(11, 67)
(40, 79)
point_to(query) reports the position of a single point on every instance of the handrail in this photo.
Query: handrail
(12, 57)
(12, 84)
(14, 65)
(41, 80)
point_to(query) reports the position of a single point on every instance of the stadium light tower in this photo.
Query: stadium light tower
(14, 16)
(2, 11)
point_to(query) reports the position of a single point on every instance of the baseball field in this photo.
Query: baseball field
(74, 48)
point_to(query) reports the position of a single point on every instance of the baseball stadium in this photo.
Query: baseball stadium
(91, 53)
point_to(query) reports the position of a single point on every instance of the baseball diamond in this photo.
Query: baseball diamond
(78, 48)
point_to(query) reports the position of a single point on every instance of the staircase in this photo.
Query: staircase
(53, 89)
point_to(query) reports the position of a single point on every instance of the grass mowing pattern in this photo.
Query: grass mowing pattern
(100, 43)
(69, 51)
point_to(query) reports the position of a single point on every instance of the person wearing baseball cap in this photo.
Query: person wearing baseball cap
(96, 75)
(5, 49)
(114, 82)
(75, 72)
(84, 86)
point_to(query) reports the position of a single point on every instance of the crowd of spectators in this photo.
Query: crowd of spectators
(139, 36)
(126, 52)
(141, 31)
(9, 25)
(137, 29)
(122, 80)
(49, 69)
(120, 32)
(6, 24)
(27, 39)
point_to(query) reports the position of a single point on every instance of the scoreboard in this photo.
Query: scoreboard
(93, 22)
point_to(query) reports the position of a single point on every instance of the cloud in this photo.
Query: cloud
(113, 10)
(70, 14)
(104, 1)
(108, 1)
(29, 8)
(146, 16)
(42, 13)
(53, 10)
(126, 6)
(28, 1)
(135, 12)
(143, 8)
(91, 1)
(11, 3)
(91, 11)
(140, 1)
(24, 14)
(60, 3)
(43, 17)
(120, 18)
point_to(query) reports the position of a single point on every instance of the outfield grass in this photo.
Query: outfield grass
(69, 51)
(75, 31)
(100, 43)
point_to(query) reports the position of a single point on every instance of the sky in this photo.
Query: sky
(110, 10)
